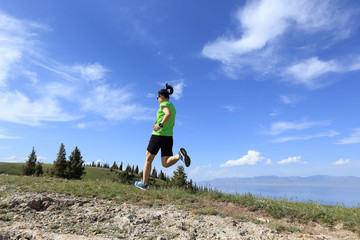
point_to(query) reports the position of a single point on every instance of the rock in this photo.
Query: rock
(4, 236)
(243, 232)
(182, 226)
(35, 204)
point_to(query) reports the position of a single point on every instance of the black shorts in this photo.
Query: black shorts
(164, 142)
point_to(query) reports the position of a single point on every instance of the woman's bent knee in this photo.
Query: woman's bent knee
(164, 162)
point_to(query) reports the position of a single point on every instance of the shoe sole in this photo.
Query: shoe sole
(187, 159)
(144, 189)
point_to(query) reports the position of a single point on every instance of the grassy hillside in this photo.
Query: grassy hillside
(92, 173)
(99, 183)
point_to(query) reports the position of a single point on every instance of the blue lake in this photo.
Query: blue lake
(348, 196)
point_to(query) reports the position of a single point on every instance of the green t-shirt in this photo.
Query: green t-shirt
(167, 130)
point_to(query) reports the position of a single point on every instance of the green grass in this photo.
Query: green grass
(92, 173)
(99, 182)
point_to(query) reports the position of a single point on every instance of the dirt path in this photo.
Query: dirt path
(54, 216)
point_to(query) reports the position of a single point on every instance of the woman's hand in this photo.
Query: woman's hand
(156, 128)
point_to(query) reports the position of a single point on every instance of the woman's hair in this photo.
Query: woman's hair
(166, 92)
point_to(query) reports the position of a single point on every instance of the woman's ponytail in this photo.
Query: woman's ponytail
(166, 92)
(169, 87)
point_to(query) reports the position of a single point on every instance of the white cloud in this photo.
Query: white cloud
(282, 126)
(3, 136)
(268, 161)
(262, 28)
(113, 103)
(342, 161)
(353, 138)
(13, 159)
(150, 95)
(292, 160)
(41, 158)
(57, 90)
(81, 125)
(289, 99)
(178, 86)
(18, 108)
(262, 21)
(309, 70)
(252, 158)
(330, 133)
(91, 72)
(199, 169)
(275, 113)
(230, 108)
(17, 40)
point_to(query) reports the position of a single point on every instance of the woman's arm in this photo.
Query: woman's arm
(166, 118)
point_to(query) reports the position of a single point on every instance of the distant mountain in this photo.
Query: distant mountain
(318, 180)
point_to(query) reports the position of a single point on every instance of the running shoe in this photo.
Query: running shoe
(184, 157)
(141, 185)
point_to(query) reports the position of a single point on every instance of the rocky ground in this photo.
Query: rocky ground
(54, 216)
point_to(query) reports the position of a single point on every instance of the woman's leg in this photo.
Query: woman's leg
(168, 161)
(147, 166)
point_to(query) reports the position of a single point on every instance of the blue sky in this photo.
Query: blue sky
(265, 87)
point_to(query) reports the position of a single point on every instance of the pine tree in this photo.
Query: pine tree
(114, 166)
(162, 175)
(60, 163)
(154, 173)
(29, 168)
(137, 169)
(128, 169)
(75, 168)
(190, 186)
(93, 164)
(121, 166)
(39, 169)
(98, 164)
(179, 178)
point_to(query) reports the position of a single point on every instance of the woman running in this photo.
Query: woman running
(162, 138)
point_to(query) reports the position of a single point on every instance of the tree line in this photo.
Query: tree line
(74, 168)
(69, 169)
(130, 174)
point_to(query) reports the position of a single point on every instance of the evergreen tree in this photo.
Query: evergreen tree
(132, 169)
(75, 168)
(162, 175)
(106, 165)
(98, 164)
(93, 164)
(190, 186)
(39, 169)
(128, 169)
(121, 166)
(137, 169)
(179, 178)
(29, 168)
(114, 166)
(60, 163)
(154, 173)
